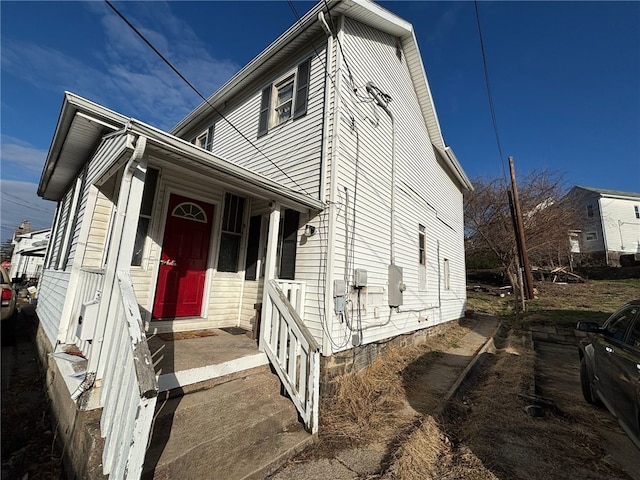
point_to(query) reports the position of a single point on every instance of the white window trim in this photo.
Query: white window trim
(299, 78)
(587, 234)
(422, 264)
(201, 140)
(275, 107)
(447, 275)
(65, 248)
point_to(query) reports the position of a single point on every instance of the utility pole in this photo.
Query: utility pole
(528, 278)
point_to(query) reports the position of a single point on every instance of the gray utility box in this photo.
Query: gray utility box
(87, 320)
(396, 286)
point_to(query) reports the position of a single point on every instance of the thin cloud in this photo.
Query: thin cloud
(18, 153)
(125, 74)
(19, 201)
(445, 24)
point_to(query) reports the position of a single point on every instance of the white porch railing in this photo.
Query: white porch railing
(129, 388)
(291, 348)
(91, 282)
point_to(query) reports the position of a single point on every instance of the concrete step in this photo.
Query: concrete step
(243, 428)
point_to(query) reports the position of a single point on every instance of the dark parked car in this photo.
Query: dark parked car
(610, 366)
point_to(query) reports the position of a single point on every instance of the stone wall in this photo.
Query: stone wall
(78, 431)
(357, 358)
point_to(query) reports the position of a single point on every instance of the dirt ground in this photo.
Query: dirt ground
(29, 450)
(522, 416)
(485, 434)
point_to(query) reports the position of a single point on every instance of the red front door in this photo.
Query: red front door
(183, 264)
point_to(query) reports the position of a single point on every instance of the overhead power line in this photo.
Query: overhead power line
(489, 94)
(184, 79)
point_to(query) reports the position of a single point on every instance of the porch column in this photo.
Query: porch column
(118, 257)
(269, 272)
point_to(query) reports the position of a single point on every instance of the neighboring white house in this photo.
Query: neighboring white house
(608, 223)
(29, 250)
(315, 182)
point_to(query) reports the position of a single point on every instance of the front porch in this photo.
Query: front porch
(143, 208)
(182, 360)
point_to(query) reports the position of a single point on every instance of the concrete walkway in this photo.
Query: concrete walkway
(439, 384)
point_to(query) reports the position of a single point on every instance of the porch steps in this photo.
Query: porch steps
(241, 429)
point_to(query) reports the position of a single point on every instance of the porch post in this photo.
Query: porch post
(269, 273)
(119, 256)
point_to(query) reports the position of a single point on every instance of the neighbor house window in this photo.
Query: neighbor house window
(144, 219)
(285, 98)
(590, 236)
(589, 210)
(231, 233)
(637, 210)
(422, 258)
(447, 278)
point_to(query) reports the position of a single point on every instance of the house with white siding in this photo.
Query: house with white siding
(311, 201)
(608, 222)
(29, 249)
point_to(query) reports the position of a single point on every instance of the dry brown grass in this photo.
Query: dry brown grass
(491, 421)
(428, 454)
(371, 405)
(485, 434)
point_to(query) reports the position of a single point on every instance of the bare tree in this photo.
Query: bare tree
(547, 221)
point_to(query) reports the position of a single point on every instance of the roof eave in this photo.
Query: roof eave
(228, 88)
(71, 105)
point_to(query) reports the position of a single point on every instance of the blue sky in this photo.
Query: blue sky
(565, 78)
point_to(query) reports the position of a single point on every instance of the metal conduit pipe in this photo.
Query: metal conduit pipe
(382, 100)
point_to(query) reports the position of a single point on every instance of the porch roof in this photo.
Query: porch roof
(83, 124)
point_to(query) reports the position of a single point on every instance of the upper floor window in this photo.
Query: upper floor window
(589, 210)
(637, 210)
(285, 98)
(205, 139)
(590, 236)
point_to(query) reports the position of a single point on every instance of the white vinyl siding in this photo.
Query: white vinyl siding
(424, 193)
(98, 232)
(61, 231)
(290, 153)
(620, 225)
(51, 295)
(251, 295)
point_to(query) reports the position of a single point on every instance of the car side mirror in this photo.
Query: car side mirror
(591, 327)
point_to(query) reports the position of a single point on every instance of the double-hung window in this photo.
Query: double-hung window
(231, 236)
(284, 99)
